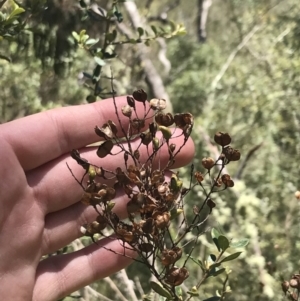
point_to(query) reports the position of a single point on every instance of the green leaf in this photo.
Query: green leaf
(198, 262)
(215, 235)
(240, 243)
(216, 272)
(140, 31)
(223, 242)
(154, 29)
(160, 290)
(16, 12)
(91, 41)
(99, 61)
(75, 35)
(231, 257)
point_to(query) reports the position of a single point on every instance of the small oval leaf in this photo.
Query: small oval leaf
(240, 243)
(223, 242)
(231, 257)
(160, 290)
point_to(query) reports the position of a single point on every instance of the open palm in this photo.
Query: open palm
(40, 208)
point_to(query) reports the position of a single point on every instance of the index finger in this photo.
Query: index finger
(42, 137)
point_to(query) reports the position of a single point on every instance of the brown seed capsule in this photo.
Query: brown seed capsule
(146, 138)
(172, 147)
(170, 256)
(127, 111)
(222, 139)
(199, 176)
(229, 183)
(140, 95)
(294, 283)
(162, 221)
(175, 276)
(211, 204)
(158, 104)
(105, 148)
(164, 119)
(208, 162)
(231, 154)
(137, 124)
(130, 101)
(184, 119)
(285, 286)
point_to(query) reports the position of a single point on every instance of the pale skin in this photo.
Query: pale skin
(40, 208)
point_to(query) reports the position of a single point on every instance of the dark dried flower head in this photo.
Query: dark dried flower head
(162, 220)
(199, 176)
(130, 101)
(222, 139)
(231, 154)
(208, 162)
(105, 148)
(158, 104)
(164, 119)
(182, 120)
(138, 124)
(285, 286)
(175, 276)
(140, 95)
(171, 256)
(127, 111)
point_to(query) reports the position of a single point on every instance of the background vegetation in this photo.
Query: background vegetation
(237, 71)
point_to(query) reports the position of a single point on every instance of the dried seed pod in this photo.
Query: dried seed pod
(285, 286)
(127, 111)
(225, 178)
(172, 147)
(162, 221)
(211, 204)
(147, 225)
(140, 95)
(153, 128)
(166, 132)
(137, 124)
(146, 138)
(125, 235)
(164, 119)
(105, 148)
(294, 283)
(163, 189)
(130, 101)
(229, 183)
(199, 176)
(175, 276)
(155, 142)
(208, 162)
(231, 154)
(107, 131)
(222, 139)
(93, 228)
(158, 104)
(170, 256)
(183, 119)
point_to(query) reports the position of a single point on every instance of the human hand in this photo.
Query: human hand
(40, 208)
